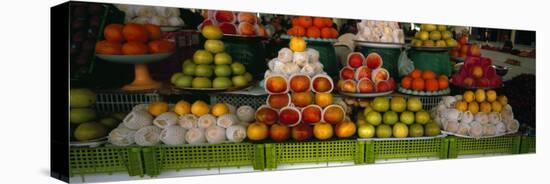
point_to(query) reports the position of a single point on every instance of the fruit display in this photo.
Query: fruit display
(211, 67)
(85, 123)
(465, 49)
(425, 82)
(365, 75)
(312, 28)
(477, 72)
(395, 117)
(85, 22)
(183, 123)
(156, 15)
(380, 31)
(431, 35)
(234, 23)
(476, 114)
(133, 39)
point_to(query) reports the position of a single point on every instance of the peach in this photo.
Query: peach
(355, 59)
(302, 99)
(374, 60)
(333, 114)
(246, 28)
(363, 72)
(300, 83)
(347, 73)
(349, 86)
(322, 83)
(311, 114)
(278, 101)
(380, 74)
(267, 115)
(383, 86)
(276, 84)
(279, 132)
(323, 99)
(225, 16)
(365, 86)
(290, 116)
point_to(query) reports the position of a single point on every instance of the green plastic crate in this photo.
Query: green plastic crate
(105, 160)
(249, 51)
(161, 158)
(437, 61)
(405, 149)
(314, 152)
(528, 144)
(497, 145)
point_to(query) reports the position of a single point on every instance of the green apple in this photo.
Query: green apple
(366, 110)
(238, 68)
(374, 118)
(380, 104)
(189, 69)
(203, 71)
(201, 82)
(239, 81)
(414, 104)
(222, 82)
(398, 104)
(184, 81)
(222, 70)
(390, 118)
(400, 130)
(175, 77)
(383, 131)
(202, 57)
(214, 46)
(407, 117)
(89, 130)
(416, 130)
(366, 131)
(432, 129)
(222, 59)
(422, 117)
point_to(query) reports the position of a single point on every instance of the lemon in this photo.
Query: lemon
(491, 95)
(219, 109)
(199, 108)
(157, 108)
(480, 95)
(182, 108)
(496, 106)
(473, 107)
(503, 100)
(485, 107)
(461, 105)
(468, 96)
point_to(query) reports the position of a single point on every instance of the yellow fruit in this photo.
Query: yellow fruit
(468, 96)
(297, 44)
(485, 107)
(496, 106)
(219, 109)
(480, 95)
(182, 108)
(157, 108)
(503, 100)
(199, 108)
(461, 105)
(473, 107)
(491, 95)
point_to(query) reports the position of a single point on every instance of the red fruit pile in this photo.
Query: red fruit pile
(312, 27)
(477, 72)
(465, 49)
(365, 75)
(243, 23)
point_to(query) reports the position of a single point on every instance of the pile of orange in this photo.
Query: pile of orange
(133, 39)
(426, 80)
(313, 27)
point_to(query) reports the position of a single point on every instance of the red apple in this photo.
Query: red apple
(383, 86)
(355, 59)
(266, 115)
(279, 132)
(347, 73)
(289, 116)
(374, 60)
(301, 132)
(224, 16)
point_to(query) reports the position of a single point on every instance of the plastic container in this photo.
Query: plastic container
(437, 61)
(105, 160)
(528, 144)
(495, 145)
(405, 149)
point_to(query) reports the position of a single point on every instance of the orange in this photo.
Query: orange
(135, 32)
(295, 22)
(199, 108)
(323, 99)
(305, 21)
(323, 131)
(157, 108)
(406, 82)
(428, 74)
(443, 82)
(333, 114)
(313, 32)
(334, 32)
(219, 109)
(416, 73)
(318, 22)
(328, 22)
(113, 32)
(326, 32)
(134, 48)
(153, 31)
(161, 46)
(432, 85)
(297, 44)
(296, 31)
(302, 99)
(461, 105)
(418, 84)
(182, 108)
(108, 47)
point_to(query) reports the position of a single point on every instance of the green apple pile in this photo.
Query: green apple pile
(211, 67)
(395, 117)
(84, 122)
(431, 35)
